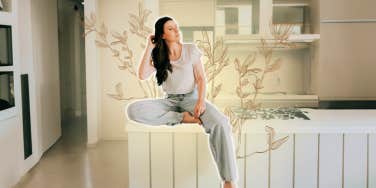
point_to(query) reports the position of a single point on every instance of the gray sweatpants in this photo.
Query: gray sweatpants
(168, 111)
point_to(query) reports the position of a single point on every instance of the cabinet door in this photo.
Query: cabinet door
(348, 9)
(347, 61)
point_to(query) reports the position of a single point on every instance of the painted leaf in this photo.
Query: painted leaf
(104, 29)
(148, 29)
(134, 17)
(102, 36)
(93, 17)
(245, 95)
(119, 89)
(217, 90)
(146, 13)
(258, 84)
(237, 64)
(244, 68)
(238, 91)
(275, 66)
(252, 106)
(254, 70)
(133, 26)
(125, 35)
(268, 56)
(276, 144)
(115, 53)
(115, 42)
(100, 44)
(271, 134)
(244, 82)
(116, 35)
(88, 23)
(132, 30)
(123, 66)
(115, 96)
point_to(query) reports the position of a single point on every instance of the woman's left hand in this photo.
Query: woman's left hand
(200, 108)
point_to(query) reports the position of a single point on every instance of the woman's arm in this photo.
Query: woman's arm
(200, 78)
(146, 68)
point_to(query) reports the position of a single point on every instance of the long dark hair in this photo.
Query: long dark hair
(160, 57)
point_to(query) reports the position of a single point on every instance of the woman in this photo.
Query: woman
(180, 72)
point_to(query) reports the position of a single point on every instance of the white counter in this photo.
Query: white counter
(321, 121)
(336, 148)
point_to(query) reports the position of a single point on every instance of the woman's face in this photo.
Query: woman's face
(171, 32)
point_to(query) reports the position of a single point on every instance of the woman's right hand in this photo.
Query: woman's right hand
(150, 42)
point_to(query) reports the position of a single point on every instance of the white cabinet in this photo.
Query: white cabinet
(347, 59)
(336, 148)
(8, 71)
(294, 83)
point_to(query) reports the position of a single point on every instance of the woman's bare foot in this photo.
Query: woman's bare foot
(188, 118)
(229, 184)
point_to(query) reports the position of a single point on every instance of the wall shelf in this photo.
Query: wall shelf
(255, 39)
(304, 38)
(276, 100)
(290, 4)
(348, 21)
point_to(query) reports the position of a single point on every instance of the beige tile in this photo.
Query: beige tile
(70, 164)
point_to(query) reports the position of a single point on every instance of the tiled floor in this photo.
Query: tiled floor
(70, 164)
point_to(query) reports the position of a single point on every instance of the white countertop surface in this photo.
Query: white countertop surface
(322, 121)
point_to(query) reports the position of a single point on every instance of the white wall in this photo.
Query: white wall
(46, 67)
(26, 67)
(11, 141)
(92, 55)
(114, 13)
(35, 53)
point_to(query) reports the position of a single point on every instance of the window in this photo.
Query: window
(5, 46)
(292, 15)
(237, 17)
(6, 75)
(6, 90)
(231, 20)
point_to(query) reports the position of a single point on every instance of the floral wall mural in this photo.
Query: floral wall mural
(216, 58)
(117, 44)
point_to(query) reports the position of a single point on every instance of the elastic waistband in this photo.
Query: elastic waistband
(183, 95)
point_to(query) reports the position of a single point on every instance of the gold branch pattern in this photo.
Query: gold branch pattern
(272, 144)
(119, 94)
(137, 23)
(245, 69)
(117, 44)
(251, 78)
(216, 60)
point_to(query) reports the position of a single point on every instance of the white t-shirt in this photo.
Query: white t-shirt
(182, 80)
